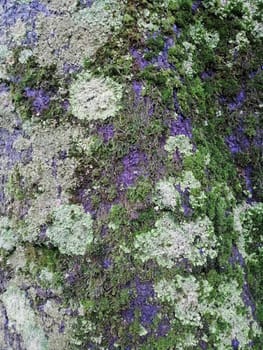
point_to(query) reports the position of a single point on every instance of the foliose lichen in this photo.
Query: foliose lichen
(70, 229)
(94, 98)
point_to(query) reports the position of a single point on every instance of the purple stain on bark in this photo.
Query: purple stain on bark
(144, 290)
(11, 338)
(176, 30)
(4, 277)
(128, 315)
(141, 62)
(107, 263)
(248, 299)
(258, 139)
(133, 167)
(203, 345)
(8, 151)
(71, 68)
(163, 327)
(185, 199)
(181, 126)
(196, 4)
(42, 233)
(207, 75)
(237, 141)
(238, 101)
(235, 344)
(61, 328)
(86, 3)
(148, 313)
(40, 99)
(65, 105)
(12, 11)
(62, 155)
(141, 301)
(137, 88)
(161, 61)
(3, 88)
(31, 38)
(236, 257)
(106, 132)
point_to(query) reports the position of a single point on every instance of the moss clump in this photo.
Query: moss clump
(71, 229)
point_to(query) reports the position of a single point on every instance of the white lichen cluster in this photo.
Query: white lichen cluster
(167, 197)
(25, 55)
(8, 117)
(251, 13)
(229, 307)
(8, 238)
(21, 315)
(200, 35)
(38, 332)
(188, 64)
(71, 37)
(94, 98)
(47, 179)
(243, 223)
(169, 243)
(194, 301)
(167, 192)
(183, 294)
(71, 229)
(180, 143)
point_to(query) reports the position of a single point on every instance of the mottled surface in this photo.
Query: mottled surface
(131, 175)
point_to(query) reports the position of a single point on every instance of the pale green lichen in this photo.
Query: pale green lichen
(8, 238)
(166, 194)
(181, 143)
(46, 173)
(183, 294)
(4, 53)
(71, 229)
(8, 117)
(25, 55)
(94, 98)
(243, 223)
(200, 35)
(188, 182)
(61, 5)
(228, 306)
(170, 242)
(78, 35)
(23, 318)
(193, 301)
(250, 11)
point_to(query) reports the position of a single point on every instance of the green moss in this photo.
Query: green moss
(140, 192)
(118, 215)
(35, 77)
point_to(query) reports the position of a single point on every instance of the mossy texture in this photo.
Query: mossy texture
(131, 175)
